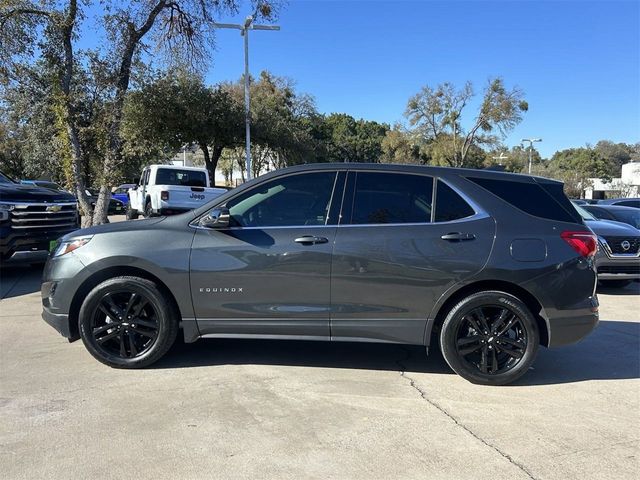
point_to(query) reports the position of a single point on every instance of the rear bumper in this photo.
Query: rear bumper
(570, 326)
(173, 211)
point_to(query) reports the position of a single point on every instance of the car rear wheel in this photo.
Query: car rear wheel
(127, 322)
(148, 210)
(490, 338)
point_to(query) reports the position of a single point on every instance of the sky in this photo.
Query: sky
(578, 62)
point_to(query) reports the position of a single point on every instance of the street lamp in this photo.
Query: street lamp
(531, 140)
(244, 31)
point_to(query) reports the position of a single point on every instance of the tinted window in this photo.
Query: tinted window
(449, 205)
(189, 178)
(391, 198)
(629, 203)
(531, 198)
(290, 201)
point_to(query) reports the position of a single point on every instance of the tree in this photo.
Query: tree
(351, 140)
(516, 160)
(180, 28)
(177, 110)
(437, 114)
(400, 146)
(575, 166)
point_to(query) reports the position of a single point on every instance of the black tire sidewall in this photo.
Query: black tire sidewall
(490, 298)
(148, 210)
(167, 321)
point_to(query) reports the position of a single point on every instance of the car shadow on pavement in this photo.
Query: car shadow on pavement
(611, 352)
(361, 356)
(19, 280)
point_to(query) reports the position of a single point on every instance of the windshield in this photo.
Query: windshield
(583, 213)
(189, 178)
(5, 179)
(632, 217)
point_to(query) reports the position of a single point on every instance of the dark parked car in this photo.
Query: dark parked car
(618, 258)
(628, 215)
(623, 202)
(44, 184)
(31, 219)
(488, 264)
(116, 207)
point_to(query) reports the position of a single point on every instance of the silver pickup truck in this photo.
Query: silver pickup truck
(170, 189)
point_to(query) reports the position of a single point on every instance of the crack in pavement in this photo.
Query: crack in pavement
(423, 394)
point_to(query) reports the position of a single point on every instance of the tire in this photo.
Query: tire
(134, 341)
(148, 209)
(614, 283)
(475, 346)
(131, 214)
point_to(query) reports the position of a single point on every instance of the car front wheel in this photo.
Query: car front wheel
(490, 338)
(127, 322)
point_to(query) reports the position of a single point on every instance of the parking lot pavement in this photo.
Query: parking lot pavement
(258, 409)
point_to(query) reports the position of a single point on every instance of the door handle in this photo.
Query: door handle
(458, 237)
(310, 240)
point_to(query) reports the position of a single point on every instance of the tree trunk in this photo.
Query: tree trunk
(113, 157)
(211, 160)
(77, 160)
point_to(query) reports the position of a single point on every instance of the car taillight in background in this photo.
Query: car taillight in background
(585, 243)
(164, 195)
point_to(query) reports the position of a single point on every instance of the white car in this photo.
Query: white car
(170, 189)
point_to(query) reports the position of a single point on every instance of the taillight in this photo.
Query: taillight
(585, 243)
(164, 195)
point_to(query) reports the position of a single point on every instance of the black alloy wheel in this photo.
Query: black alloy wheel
(490, 338)
(125, 324)
(128, 322)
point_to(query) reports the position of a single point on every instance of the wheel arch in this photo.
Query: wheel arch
(435, 321)
(110, 272)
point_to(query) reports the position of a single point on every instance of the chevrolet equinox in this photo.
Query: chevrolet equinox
(490, 265)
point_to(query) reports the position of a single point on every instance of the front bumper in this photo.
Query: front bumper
(59, 321)
(617, 267)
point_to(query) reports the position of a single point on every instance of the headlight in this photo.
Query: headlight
(70, 245)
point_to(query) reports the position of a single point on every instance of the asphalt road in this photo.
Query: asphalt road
(259, 409)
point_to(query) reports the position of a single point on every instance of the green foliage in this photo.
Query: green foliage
(401, 146)
(437, 115)
(351, 140)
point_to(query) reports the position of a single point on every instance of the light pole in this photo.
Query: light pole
(244, 31)
(531, 140)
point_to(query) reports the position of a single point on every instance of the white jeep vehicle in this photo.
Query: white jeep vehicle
(170, 189)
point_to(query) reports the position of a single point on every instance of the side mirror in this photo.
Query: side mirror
(216, 218)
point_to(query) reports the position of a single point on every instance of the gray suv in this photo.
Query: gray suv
(489, 265)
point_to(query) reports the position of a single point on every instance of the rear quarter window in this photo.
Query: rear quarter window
(544, 201)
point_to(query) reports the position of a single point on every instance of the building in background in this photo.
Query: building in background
(628, 185)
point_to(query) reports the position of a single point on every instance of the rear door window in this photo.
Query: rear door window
(449, 205)
(381, 197)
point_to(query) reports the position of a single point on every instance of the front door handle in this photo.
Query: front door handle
(458, 237)
(310, 240)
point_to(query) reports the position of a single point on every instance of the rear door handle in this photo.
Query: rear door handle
(310, 240)
(458, 237)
